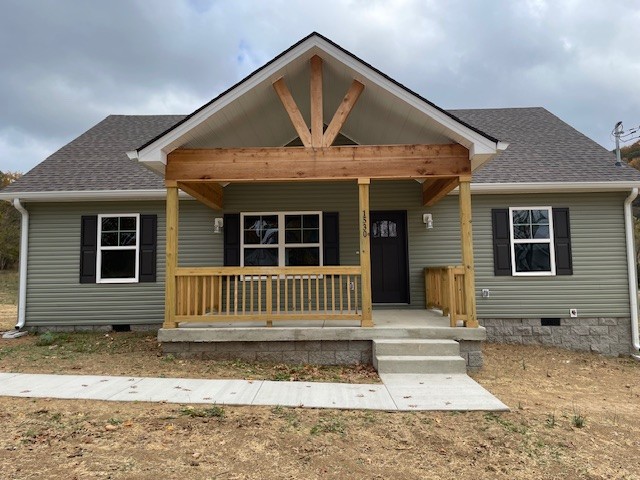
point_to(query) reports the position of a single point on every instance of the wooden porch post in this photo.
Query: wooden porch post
(365, 250)
(171, 256)
(466, 237)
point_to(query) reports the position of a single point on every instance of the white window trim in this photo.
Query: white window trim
(513, 241)
(100, 248)
(281, 245)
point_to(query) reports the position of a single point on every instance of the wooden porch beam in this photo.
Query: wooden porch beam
(209, 194)
(434, 190)
(293, 111)
(343, 111)
(331, 163)
(317, 123)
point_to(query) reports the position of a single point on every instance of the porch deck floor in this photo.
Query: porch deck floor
(384, 318)
(388, 323)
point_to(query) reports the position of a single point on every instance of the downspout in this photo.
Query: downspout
(632, 272)
(24, 245)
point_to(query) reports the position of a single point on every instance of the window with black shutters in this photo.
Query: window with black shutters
(531, 241)
(118, 248)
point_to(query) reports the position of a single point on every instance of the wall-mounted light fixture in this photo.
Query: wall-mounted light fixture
(218, 223)
(427, 219)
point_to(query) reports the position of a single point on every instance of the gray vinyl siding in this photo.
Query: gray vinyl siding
(597, 288)
(54, 294)
(599, 285)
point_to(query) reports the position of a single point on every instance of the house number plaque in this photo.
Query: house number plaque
(365, 229)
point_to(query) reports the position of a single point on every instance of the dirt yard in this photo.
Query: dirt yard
(574, 416)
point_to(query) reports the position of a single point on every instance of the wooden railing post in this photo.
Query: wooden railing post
(466, 237)
(451, 295)
(171, 256)
(365, 250)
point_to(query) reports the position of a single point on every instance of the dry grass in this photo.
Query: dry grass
(138, 354)
(574, 417)
(540, 438)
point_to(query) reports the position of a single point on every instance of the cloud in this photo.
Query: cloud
(70, 63)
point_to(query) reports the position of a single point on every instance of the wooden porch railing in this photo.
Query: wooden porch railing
(236, 294)
(445, 289)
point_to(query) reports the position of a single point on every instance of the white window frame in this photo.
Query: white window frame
(100, 248)
(281, 245)
(513, 241)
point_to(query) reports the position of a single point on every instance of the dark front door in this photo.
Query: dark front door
(389, 266)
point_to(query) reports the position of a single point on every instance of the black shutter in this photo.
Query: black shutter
(231, 240)
(330, 238)
(148, 248)
(501, 242)
(562, 241)
(88, 248)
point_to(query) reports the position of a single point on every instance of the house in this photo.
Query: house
(318, 189)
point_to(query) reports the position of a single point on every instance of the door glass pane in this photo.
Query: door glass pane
(532, 257)
(300, 257)
(384, 228)
(118, 264)
(376, 229)
(393, 230)
(260, 257)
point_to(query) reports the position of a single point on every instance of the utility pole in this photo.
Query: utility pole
(617, 131)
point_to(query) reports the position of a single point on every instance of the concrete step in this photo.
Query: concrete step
(416, 347)
(419, 364)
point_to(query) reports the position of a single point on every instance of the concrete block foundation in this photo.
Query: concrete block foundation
(607, 336)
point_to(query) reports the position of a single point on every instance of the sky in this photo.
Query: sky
(67, 64)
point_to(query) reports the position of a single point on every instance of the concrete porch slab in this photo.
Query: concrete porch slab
(388, 324)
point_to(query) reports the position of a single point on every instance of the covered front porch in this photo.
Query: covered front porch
(287, 288)
(271, 130)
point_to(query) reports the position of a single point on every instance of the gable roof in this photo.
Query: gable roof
(249, 114)
(285, 52)
(542, 149)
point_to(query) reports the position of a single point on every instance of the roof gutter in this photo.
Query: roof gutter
(90, 195)
(632, 272)
(548, 187)
(24, 246)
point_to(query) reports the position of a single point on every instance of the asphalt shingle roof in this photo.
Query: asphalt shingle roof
(97, 159)
(542, 148)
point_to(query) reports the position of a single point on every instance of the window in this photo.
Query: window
(118, 251)
(531, 235)
(290, 239)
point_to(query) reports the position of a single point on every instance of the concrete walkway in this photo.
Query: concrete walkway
(398, 392)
